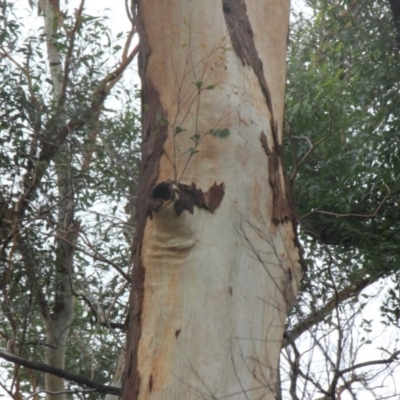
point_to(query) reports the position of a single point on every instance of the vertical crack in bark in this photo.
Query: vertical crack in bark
(282, 209)
(154, 134)
(242, 37)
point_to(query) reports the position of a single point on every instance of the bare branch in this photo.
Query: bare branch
(318, 316)
(79, 379)
(385, 361)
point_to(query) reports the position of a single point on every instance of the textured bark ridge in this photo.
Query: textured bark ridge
(242, 37)
(184, 198)
(154, 135)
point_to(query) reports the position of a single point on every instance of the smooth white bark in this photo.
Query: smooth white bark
(117, 380)
(51, 19)
(58, 322)
(217, 286)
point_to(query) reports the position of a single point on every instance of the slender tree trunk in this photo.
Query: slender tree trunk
(58, 321)
(117, 380)
(216, 259)
(57, 329)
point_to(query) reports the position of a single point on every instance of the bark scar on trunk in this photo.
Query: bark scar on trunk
(184, 197)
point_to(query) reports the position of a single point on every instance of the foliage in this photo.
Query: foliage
(190, 102)
(342, 111)
(94, 149)
(342, 155)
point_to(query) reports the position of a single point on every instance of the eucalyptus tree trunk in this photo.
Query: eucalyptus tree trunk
(216, 259)
(58, 319)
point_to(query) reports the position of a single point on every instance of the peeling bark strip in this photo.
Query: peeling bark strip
(185, 197)
(154, 135)
(282, 210)
(242, 37)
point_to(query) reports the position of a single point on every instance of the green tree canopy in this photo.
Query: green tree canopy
(343, 131)
(342, 157)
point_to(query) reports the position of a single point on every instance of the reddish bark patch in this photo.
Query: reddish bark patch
(154, 134)
(185, 197)
(242, 38)
(214, 196)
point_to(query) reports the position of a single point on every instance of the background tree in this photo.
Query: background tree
(64, 155)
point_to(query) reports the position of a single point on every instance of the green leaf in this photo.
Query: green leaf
(178, 130)
(195, 137)
(220, 133)
(192, 150)
(198, 84)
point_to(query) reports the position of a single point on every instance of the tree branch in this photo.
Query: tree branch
(67, 65)
(56, 393)
(317, 317)
(80, 380)
(49, 148)
(385, 361)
